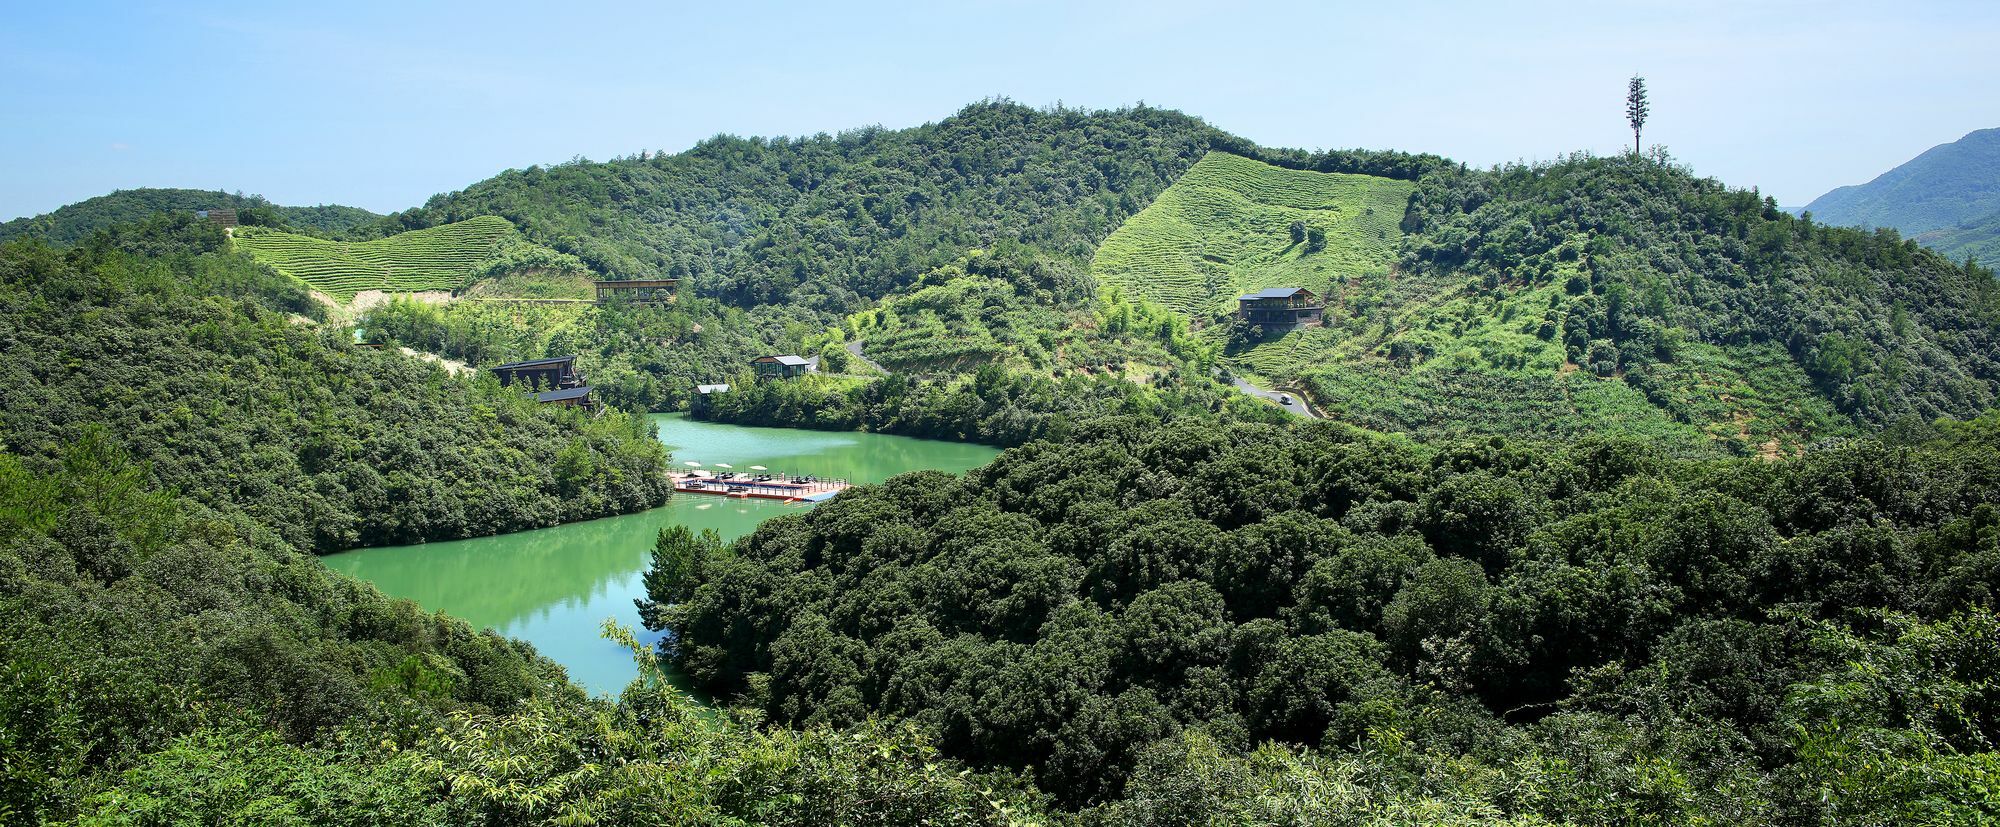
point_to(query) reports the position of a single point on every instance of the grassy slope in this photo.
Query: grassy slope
(439, 258)
(1224, 228)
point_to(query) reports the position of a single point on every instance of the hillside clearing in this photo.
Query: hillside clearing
(439, 258)
(1226, 227)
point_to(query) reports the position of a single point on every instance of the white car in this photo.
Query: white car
(1284, 399)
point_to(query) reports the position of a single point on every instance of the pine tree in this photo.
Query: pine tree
(1636, 109)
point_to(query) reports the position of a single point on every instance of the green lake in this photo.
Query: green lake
(554, 587)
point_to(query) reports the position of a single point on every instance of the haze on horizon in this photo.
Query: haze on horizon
(386, 104)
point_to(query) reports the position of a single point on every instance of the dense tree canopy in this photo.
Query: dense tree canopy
(77, 222)
(1665, 261)
(1083, 609)
(831, 221)
(170, 653)
(198, 362)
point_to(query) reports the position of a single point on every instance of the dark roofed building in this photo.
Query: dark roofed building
(224, 217)
(781, 367)
(577, 397)
(554, 373)
(1280, 308)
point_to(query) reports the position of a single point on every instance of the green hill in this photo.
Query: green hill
(76, 222)
(1548, 301)
(1567, 299)
(1226, 227)
(446, 257)
(834, 222)
(1946, 191)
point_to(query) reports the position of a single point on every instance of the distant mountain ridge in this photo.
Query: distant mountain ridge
(1948, 197)
(72, 223)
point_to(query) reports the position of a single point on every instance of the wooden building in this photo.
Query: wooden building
(577, 397)
(638, 291)
(224, 218)
(1280, 308)
(554, 373)
(781, 367)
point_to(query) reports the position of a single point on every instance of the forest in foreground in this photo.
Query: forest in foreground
(1174, 625)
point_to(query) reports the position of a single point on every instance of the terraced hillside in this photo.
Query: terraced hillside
(439, 258)
(1514, 317)
(1226, 227)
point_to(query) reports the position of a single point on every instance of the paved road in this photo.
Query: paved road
(1298, 406)
(854, 348)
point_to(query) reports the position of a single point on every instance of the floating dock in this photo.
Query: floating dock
(774, 487)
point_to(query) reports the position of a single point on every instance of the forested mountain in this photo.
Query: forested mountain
(78, 221)
(1566, 298)
(1492, 633)
(1946, 186)
(1579, 296)
(832, 221)
(1948, 198)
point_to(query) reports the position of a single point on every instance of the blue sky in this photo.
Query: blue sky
(380, 105)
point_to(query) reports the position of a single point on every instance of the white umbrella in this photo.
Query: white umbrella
(724, 465)
(703, 474)
(758, 468)
(692, 464)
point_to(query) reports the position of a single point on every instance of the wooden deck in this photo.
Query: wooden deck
(746, 486)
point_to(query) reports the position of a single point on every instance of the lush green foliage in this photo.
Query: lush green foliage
(440, 258)
(646, 357)
(1648, 260)
(1625, 295)
(992, 405)
(1024, 311)
(164, 663)
(1174, 609)
(169, 656)
(1232, 225)
(1946, 186)
(840, 218)
(834, 220)
(198, 363)
(79, 221)
(137, 627)
(1598, 633)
